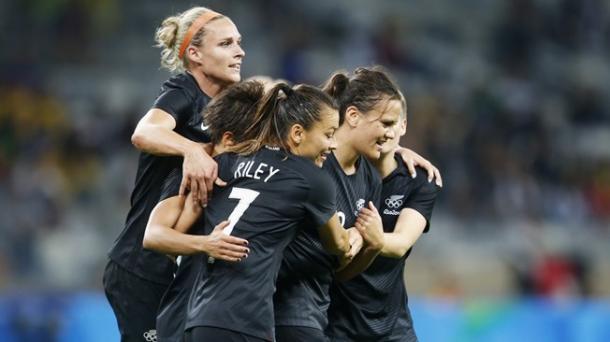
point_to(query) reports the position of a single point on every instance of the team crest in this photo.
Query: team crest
(359, 206)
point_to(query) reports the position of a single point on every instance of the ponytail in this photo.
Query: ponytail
(264, 123)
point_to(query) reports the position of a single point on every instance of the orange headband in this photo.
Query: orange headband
(195, 27)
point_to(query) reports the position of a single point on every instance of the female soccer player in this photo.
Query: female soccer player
(372, 306)
(274, 187)
(204, 47)
(175, 214)
(366, 109)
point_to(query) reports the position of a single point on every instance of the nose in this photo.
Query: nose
(240, 53)
(389, 133)
(333, 144)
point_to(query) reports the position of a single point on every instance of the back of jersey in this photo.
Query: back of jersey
(268, 196)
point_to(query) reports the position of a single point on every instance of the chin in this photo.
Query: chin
(373, 155)
(232, 78)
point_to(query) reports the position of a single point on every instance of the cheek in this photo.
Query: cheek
(373, 131)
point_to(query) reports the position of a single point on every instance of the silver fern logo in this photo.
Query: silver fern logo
(359, 206)
(394, 201)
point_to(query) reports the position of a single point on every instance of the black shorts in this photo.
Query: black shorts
(212, 334)
(299, 334)
(135, 302)
(172, 311)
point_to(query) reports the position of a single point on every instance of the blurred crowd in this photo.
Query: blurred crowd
(507, 98)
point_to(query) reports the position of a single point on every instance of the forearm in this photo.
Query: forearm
(396, 245)
(168, 241)
(160, 140)
(334, 237)
(360, 263)
(409, 227)
(338, 245)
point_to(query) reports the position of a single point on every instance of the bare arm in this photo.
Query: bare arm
(171, 213)
(409, 227)
(334, 238)
(155, 134)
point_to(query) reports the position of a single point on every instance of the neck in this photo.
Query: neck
(385, 164)
(207, 85)
(345, 153)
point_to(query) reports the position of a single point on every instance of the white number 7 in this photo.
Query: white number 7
(245, 197)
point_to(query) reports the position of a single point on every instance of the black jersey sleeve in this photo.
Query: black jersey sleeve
(177, 104)
(422, 197)
(225, 163)
(321, 202)
(171, 184)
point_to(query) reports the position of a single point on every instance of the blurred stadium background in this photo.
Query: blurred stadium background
(510, 99)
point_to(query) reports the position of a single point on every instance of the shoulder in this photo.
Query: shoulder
(314, 176)
(421, 183)
(182, 83)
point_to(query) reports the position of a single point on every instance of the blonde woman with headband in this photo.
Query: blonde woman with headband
(202, 49)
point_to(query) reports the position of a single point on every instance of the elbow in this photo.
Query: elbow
(138, 140)
(149, 241)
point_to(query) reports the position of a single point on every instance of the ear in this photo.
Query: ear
(227, 139)
(193, 54)
(297, 134)
(403, 127)
(352, 116)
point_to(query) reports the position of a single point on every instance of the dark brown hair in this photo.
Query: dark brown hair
(364, 89)
(280, 109)
(233, 110)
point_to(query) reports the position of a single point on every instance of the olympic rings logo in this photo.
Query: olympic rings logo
(394, 201)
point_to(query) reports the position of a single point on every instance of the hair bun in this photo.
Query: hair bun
(337, 85)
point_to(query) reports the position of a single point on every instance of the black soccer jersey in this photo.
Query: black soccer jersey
(372, 305)
(180, 97)
(269, 196)
(302, 297)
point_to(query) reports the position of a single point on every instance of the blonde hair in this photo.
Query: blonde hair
(403, 104)
(170, 34)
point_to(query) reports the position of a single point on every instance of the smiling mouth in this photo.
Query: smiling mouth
(236, 67)
(379, 144)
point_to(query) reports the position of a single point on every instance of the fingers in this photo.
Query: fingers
(231, 252)
(411, 167)
(430, 170)
(373, 209)
(220, 182)
(222, 225)
(233, 248)
(209, 185)
(437, 176)
(184, 185)
(203, 192)
(235, 240)
(361, 228)
(195, 191)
